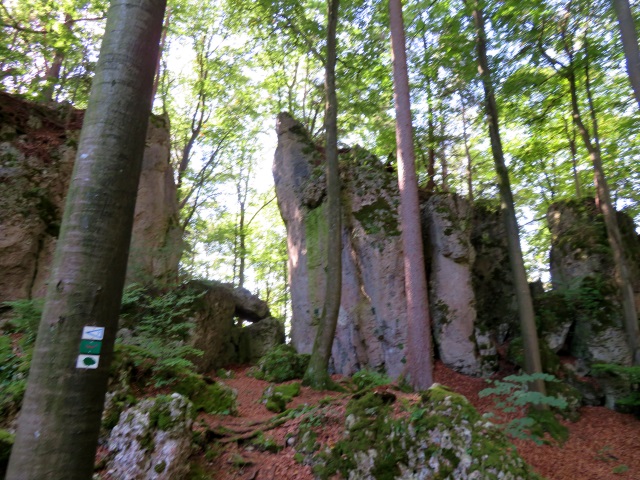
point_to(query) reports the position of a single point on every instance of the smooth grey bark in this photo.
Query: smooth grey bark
(317, 374)
(419, 344)
(61, 414)
(530, 342)
(629, 44)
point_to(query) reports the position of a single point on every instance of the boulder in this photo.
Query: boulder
(213, 317)
(263, 336)
(371, 327)
(440, 436)
(496, 305)
(152, 440)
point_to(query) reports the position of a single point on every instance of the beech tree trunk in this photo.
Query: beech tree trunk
(629, 44)
(419, 367)
(532, 360)
(61, 413)
(317, 374)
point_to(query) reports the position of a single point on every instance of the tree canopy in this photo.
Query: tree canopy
(228, 67)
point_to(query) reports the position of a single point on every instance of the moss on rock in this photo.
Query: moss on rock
(441, 436)
(281, 364)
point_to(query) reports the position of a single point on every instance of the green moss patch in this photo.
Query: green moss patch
(441, 436)
(276, 397)
(216, 398)
(281, 364)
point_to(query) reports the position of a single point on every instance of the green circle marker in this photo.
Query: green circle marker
(88, 361)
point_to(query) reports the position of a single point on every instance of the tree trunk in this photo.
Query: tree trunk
(61, 413)
(431, 167)
(629, 44)
(523, 294)
(419, 348)
(52, 76)
(317, 375)
(467, 152)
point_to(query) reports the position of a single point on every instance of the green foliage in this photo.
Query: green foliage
(280, 364)
(25, 319)
(16, 347)
(367, 379)
(266, 444)
(6, 442)
(276, 397)
(513, 396)
(628, 376)
(216, 398)
(160, 323)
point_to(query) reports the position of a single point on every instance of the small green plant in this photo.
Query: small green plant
(536, 417)
(276, 397)
(280, 364)
(266, 444)
(369, 378)
(160, 322)
(620, 469)
(15, 352)
(629, 375)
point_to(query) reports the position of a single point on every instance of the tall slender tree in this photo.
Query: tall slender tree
(532, 360)
(317, 375)
(419, 344)
(629, 44)
(60, 419)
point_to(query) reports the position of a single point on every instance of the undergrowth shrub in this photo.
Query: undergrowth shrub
(629, 377)
(536, 411)
(16, 347)
(369, 378)
(160, 322)
(280, 364)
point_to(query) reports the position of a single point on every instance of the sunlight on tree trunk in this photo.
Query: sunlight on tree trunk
(419, 344)
(61, 414)
(317, 375)
(629, 44)
(530, 343)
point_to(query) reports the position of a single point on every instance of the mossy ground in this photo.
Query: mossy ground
(281, 364)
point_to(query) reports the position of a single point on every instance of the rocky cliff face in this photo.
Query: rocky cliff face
(37, 152)
(371, 330)
(472, 299)
(582, 271)
(371, 325)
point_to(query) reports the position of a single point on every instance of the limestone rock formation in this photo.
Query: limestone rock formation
(492, 278)
(37, 152)
(152, 440)
(371, 330)
(263, 336)
(447, 228)
(582, 270)
(222, 340)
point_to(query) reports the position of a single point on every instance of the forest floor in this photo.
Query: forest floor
(602, 444)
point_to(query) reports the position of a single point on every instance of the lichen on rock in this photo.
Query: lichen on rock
(152, 440)
(440, 436)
